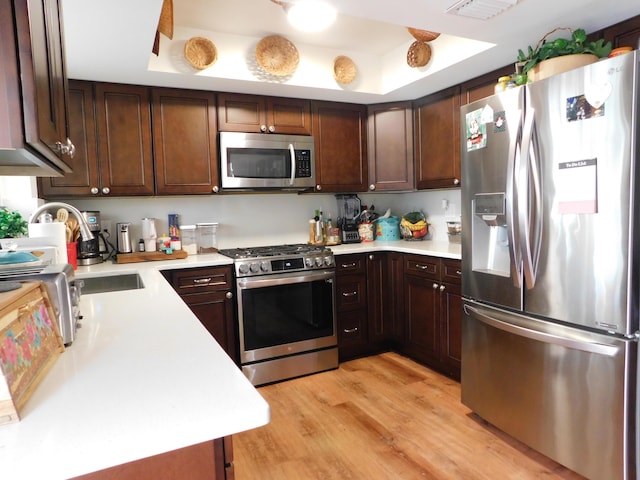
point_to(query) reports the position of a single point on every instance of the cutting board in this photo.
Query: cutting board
(149, 256)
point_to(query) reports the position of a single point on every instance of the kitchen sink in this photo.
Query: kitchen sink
(111, 283)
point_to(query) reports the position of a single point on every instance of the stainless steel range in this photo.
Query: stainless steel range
(286, 311)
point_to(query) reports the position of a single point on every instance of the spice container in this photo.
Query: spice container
(189, 239)
(207, 237)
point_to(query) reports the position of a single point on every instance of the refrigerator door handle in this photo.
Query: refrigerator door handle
(512, 191)
(574, 343)
(530, 213)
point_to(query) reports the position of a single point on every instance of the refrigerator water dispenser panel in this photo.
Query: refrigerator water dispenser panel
(489, 229)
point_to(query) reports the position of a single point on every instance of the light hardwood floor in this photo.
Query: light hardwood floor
(380, 417)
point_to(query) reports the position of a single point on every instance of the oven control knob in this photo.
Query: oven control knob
(308, 262)
(255, 268)
(328, 261)
(319, 261)
(243, 268)
(264, 266)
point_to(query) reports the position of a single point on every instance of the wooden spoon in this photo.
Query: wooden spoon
(62, 215)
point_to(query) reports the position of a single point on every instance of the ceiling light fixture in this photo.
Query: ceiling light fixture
(481, 9)
(308, 15)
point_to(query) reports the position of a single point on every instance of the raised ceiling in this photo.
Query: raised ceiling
(112, 41)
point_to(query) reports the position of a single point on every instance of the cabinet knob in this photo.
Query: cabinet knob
(228, 295)
(434, 286)
(215, 189)
(318, 187)
(442, 287)
(372, 187)
(106, 190)
(371, 256)
(94, 190)
(263, 128)
(272, 129)
(456, 181)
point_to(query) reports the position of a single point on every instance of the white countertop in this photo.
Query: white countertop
(143, 377)
(426, 247)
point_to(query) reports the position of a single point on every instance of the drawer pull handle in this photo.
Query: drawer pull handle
(202, 280)
(421, 267)
(434, 286)
(349, 294)
(348, 265)
(442, 287)
(350, 330)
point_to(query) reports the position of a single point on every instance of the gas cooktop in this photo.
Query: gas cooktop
(279, 259)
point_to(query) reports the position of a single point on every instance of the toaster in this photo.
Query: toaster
(64, 294)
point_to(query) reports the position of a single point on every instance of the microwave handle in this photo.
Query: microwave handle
(293, 164)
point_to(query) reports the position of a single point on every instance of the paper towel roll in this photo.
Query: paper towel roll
(55, 235)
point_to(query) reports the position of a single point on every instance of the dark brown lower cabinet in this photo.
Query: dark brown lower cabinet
(433, 312)
(209, 293)
(204, 461)
(394, 301)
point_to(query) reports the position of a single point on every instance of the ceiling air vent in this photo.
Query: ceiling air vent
(481, 9)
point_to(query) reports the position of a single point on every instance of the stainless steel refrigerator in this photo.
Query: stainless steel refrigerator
(551, 274)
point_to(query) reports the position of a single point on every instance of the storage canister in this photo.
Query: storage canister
(388, 229)
(189, 239)
(207, 237)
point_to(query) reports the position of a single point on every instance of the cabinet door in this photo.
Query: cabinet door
(623, 34)
(451, 328)
(215, 312)
(390, 146)
(437, 140)
(482, 86)
(43, 77)
(422, 299)
(184, 141)
(395, 288)
(203, 461)
(82, 128)
(124, 137)
(241, 113)
(288, 116)
(378, 296)
(339, 130)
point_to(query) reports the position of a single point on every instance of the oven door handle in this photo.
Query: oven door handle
(285, 279)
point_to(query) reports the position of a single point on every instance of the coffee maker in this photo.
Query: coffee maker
(348, 213)
(89, 252)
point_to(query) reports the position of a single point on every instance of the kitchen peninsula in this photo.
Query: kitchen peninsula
(144, 377)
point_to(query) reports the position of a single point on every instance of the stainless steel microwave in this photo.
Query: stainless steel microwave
(255, 161)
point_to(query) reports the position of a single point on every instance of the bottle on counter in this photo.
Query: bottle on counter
(141, 245)
(312, 231)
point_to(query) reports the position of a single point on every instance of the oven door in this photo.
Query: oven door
(285, 314)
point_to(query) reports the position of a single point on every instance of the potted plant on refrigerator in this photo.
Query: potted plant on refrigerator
(550, 57)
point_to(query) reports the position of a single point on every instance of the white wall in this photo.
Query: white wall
(247, 219)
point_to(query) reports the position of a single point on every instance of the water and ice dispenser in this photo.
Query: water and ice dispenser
(489, 232)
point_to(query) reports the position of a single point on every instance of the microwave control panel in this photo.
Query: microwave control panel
(303, 163)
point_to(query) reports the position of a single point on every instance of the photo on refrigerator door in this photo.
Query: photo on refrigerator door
(476, 131)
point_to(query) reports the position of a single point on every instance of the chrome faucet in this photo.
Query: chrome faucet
(85, 230)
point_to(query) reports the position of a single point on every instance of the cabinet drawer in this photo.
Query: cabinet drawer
(351, 292)
(452, 271)
(429, 267)
(351, 327)
(350, 264)
(197, 280)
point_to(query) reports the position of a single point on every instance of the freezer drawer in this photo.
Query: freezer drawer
(560, 390)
